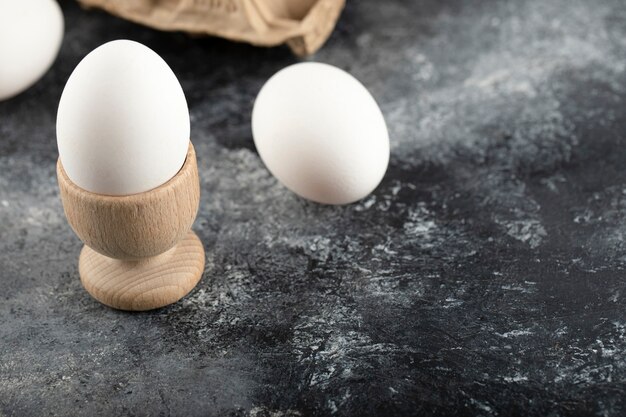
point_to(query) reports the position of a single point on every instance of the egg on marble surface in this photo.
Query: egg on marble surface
(321, 133)
(123, 122)
(31, 32)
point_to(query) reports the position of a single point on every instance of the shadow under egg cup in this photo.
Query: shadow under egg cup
(140, 252)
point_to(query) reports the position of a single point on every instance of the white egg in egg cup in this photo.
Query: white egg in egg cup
(129, 178)
(139, 253)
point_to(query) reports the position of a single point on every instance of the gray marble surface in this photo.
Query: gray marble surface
(485, 276)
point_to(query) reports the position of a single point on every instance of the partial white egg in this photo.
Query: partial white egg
(31, 32)
(320, 133)
(123, 122)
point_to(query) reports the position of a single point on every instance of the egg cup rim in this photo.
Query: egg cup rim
(176, 180)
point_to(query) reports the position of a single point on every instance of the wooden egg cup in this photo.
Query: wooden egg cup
(139, 253)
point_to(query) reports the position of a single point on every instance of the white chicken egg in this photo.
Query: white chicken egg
(320, 133)
(31, 32)
(123, 122)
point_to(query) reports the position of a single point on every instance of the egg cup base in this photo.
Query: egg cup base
(146, 284)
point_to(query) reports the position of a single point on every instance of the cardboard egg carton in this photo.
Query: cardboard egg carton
(304, 25)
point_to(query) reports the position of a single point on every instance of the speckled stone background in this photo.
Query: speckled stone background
(485, 276)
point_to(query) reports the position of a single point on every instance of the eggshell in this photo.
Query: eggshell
(123, 122)
(320, 133)
(31, 32)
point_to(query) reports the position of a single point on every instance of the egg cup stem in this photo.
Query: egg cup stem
(140, 253)
(144, 284)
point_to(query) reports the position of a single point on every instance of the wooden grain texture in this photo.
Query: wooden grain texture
(134, 226)
(144, 284)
